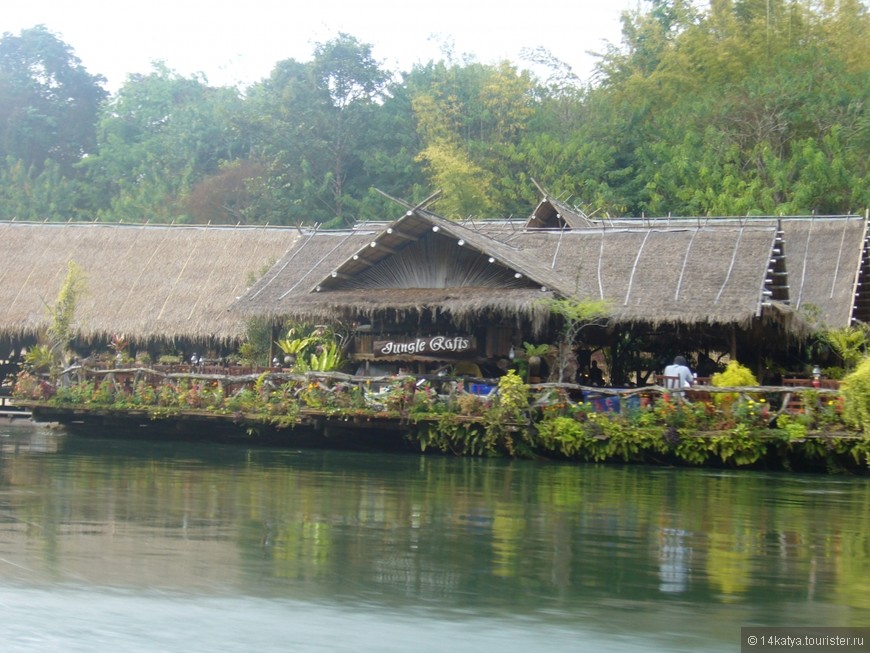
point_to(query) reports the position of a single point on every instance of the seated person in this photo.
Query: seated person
(681, 374)
(596, 376)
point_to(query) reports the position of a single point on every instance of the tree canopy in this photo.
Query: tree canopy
(743, 107)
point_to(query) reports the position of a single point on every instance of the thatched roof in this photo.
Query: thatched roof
(148, 282)
(823, 259)
(809, 276)
(165, 282)
(689, 272)
(659, 276)
(407, 267)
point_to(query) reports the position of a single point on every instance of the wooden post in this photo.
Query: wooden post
(733, 346)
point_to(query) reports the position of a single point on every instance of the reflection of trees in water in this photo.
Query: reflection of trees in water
(393, 528)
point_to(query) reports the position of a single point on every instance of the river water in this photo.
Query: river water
(111, 545)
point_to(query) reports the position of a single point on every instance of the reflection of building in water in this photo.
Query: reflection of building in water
(407, 573)
(120, 553)
(29, 437)
(675, 557)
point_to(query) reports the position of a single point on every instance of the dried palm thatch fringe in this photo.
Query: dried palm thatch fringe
(165, 282)
(148, 282)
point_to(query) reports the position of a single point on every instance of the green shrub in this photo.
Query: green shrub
(513, 397)
(856, 397)
(561, 434)
(733, 376)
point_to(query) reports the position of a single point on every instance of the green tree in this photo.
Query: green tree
(471, 119)
(312, 124)
(26, 194)
(749, 107)
(48, 101)
(575, 316)
(160, 135)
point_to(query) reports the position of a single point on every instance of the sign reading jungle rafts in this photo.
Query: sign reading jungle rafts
(432, 345)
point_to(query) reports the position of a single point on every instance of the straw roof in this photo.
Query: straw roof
(165, 282)
(657, 276)
(680, 272)
(823, 259)
(148, 282)
(407, 267)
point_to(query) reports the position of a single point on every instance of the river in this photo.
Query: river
(134, 545)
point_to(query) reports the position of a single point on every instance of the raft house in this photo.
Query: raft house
(425, 296)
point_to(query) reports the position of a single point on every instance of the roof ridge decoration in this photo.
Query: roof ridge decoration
(774, 287)
(553, 213)
(860, 301)
(776, 282)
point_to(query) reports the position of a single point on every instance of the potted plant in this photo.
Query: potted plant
(534, 357)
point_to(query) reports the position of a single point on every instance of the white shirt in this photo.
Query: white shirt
(683, 374)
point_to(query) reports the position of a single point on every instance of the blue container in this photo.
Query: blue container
(632, 402)
(602, 403)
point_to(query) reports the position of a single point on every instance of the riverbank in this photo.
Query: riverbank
(755, 427)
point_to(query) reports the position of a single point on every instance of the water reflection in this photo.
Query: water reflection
(628, 550)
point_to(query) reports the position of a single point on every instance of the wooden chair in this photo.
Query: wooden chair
(669, 382)
(794, 403)
(700, 395)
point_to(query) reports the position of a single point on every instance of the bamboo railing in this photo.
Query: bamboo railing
(785, 397)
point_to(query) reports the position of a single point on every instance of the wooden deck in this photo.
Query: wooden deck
(10, 410)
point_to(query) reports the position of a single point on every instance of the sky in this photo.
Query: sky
(238, 43)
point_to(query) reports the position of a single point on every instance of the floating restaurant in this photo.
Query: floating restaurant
(423, 291)
(426, 297)
(752, 289)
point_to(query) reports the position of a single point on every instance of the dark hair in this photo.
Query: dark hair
(679, 360)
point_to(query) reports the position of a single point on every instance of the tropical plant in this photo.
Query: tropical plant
(300, 340)
(856, 397)
(513, 397)
(849, 343)
(326, 358)
(537, 350)
(313, 348)
(38, 359)
(534, 355)
(61, 328)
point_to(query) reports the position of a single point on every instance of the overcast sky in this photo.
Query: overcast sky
(239, 42)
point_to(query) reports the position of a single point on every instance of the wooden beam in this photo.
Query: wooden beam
(426, 202)
(400, 234)
(407, 205)
(540, 188)
(379, 247)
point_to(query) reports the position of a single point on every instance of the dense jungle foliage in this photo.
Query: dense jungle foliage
(740, 107)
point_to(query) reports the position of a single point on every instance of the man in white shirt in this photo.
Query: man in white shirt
(681, 375)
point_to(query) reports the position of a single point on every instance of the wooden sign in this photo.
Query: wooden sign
(439, 345)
